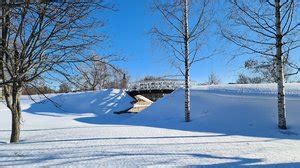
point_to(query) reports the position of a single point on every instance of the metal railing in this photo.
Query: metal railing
(155, 85)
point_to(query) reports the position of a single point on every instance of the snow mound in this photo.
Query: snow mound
(249, 110)
(97, 102)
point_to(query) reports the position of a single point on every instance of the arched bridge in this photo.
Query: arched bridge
(154, 89)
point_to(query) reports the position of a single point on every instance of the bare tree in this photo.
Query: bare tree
(268, 30)
(182, 34)
(64, 87)
(40, 38)
(37, 86)
(266, 69)
(96, 74)
(93, 76)
(213, 79)
(243, 79)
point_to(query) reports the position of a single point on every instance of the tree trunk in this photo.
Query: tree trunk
(187, 62)
(12, 96)
(15, 129)
(280, 69)
(16, 114)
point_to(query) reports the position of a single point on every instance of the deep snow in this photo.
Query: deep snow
(232, 125)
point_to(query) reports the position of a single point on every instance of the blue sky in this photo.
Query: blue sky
(128, 34)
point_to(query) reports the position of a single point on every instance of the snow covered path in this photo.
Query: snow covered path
(227, 130)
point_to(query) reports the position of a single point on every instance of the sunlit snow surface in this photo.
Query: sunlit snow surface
(232, 125)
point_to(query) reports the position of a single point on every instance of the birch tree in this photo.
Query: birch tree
(270, 30)
(186, 22)
(40, 38)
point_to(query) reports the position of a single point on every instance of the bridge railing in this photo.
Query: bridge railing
(156, 85)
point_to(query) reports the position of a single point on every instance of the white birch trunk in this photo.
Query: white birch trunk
(187, 61)
(280, 69)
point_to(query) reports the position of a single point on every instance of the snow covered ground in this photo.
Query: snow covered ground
(232, 125)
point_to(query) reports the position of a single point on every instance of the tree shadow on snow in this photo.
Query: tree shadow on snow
(132, 158)
(125, 138)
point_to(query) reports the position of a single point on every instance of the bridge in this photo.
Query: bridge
(154, 89)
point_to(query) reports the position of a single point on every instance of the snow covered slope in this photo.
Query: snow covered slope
(98, 102)
(66, 108)
(249, 110)
(232, 126)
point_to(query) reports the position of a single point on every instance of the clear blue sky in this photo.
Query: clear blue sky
(128, 34)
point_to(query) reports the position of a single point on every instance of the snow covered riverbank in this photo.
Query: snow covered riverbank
(232, 125)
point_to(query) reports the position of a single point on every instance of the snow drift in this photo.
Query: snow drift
(249, 110)
(101, 104)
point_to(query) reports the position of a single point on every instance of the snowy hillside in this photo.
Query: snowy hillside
(232, 125)
(228, 109)
(65, 109)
